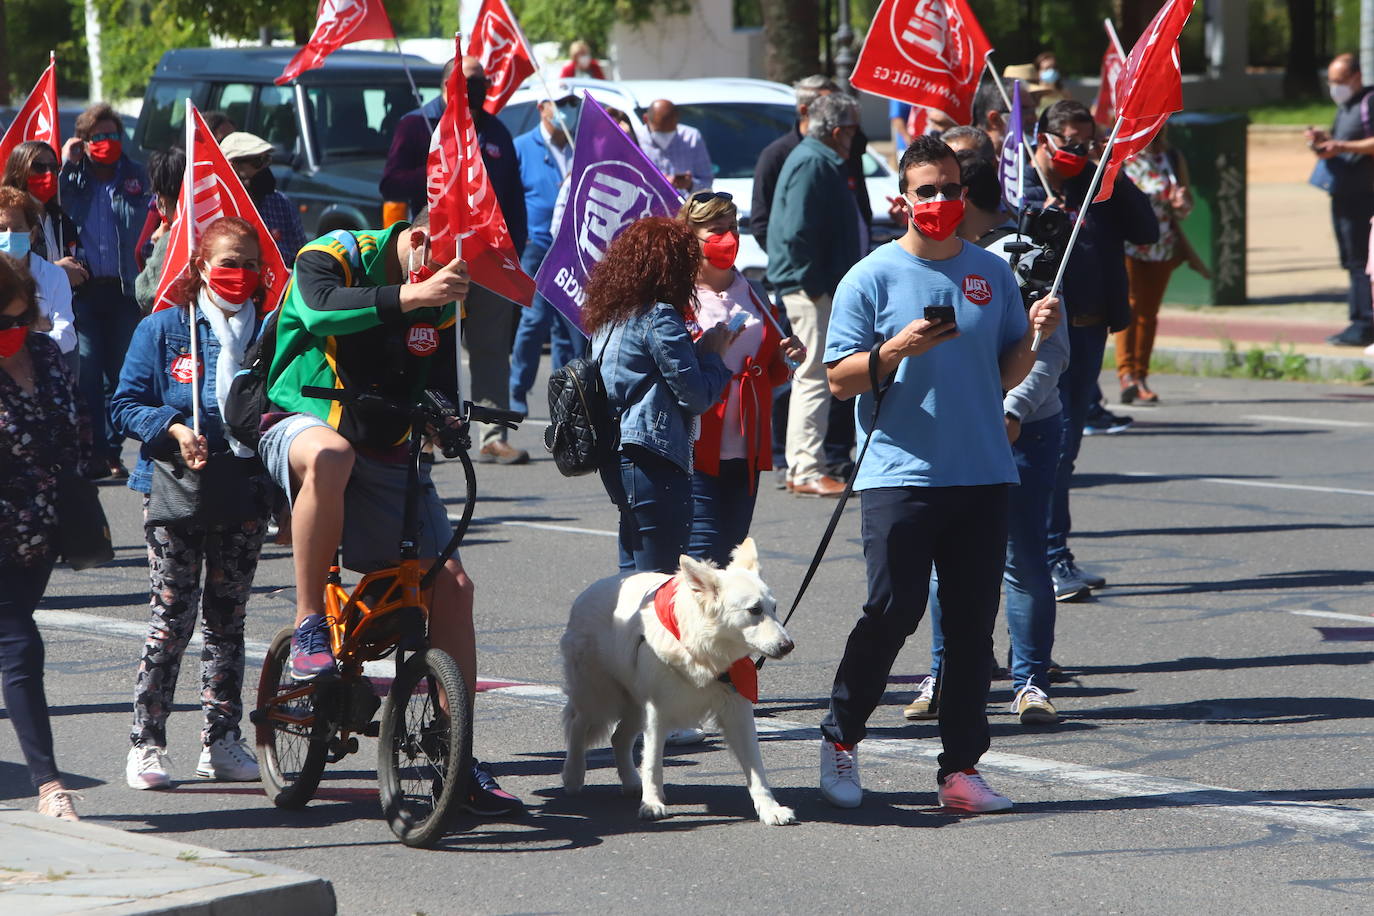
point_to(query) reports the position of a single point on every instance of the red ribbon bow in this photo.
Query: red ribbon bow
(744, 677)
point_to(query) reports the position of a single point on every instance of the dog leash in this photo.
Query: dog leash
(879, 389)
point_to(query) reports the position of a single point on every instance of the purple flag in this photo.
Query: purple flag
(1013, 154)
(612, 184)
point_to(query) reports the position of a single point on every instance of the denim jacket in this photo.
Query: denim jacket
(155, 391)
(132, 191)
(657, 381)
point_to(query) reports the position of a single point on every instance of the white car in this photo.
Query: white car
(736, 117)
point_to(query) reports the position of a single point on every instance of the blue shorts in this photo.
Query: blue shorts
(373, 502)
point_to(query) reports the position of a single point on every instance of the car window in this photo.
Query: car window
(353, 121)
(873, 166)
(234, 99)
(164, 114)
(519, 117)
(275, 118)
(736, 133)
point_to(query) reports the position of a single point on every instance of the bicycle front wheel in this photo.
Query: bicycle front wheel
(424, 747)
(292, 736)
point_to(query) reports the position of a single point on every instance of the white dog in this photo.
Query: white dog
(623, 663)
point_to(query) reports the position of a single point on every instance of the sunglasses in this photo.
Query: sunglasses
(43, 168)
(928, 191)
(9, 322)
(98, 137)
(255, 162)
(705, 197)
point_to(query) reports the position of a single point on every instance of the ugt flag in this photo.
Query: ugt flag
(1104, 110)
(505, 54)
(463, 210)
(209, 190)
(1013, 169)
(612, 184)
(1150, 89)
(925, 52)
(337, 23)
(37, 120)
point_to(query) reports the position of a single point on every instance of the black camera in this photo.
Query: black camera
(1037, 250)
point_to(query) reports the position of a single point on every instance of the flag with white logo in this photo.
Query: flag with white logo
(37, 120)
(337, 23)
(1113, 62)
(505, 54)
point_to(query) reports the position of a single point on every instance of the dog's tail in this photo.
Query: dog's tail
(593, 734)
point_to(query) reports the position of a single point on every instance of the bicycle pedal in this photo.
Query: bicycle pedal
(372, 730)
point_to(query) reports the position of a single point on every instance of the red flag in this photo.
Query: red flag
(505, 54)
(1104, 110)
(1150, 89)
(209, 191)
(462, 203)
(337, 23)
(37, 120)
(924, 52)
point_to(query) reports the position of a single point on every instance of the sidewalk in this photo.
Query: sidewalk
(49, 866)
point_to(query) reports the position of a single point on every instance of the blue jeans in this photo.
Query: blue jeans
(723, 508)
(105, 322)
(655, 501)
(539, 323)
(21, 659)
(1026, 577)
(1077, 392)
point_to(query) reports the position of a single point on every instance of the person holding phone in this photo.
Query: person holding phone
(679, 151)
(935, 479)
(735, 443)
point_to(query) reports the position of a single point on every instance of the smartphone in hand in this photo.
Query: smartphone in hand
(737, 321)
(941, 313)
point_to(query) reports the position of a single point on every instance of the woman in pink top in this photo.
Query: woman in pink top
(735, 439)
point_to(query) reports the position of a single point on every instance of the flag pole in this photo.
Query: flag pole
(188, 191)
(1021, 132)
(458, 304)
(1116, 42)
(413, 89)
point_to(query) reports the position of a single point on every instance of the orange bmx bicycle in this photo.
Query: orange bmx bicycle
(425, 731)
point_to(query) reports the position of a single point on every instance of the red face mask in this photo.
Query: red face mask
(105, 152)
(43, 186)
(1066, 163)
(721, 250)
(937, 219)
(417, 268)
(235, 285)
(11, 339)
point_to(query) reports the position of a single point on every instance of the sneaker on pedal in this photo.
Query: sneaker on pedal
(1067, 586)
(1088, 579)
(311, 654)
(968, 791)
(146, 767)
(486, 798)
(840, 774)
(228, 760)
(923, 706)
(1033, 707)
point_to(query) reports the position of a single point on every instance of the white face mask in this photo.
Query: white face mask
(663, 137)
(1341, 93)
(210, 297)
(583, 60)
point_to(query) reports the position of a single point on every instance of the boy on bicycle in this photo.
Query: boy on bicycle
(363, 312)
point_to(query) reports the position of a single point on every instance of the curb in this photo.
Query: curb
(54, 866)
(1204, 360)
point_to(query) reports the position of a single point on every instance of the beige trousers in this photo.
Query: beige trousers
(808, 411)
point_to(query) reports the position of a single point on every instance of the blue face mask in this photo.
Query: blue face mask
(15, 244)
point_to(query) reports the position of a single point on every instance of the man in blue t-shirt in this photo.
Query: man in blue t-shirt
(934, 481)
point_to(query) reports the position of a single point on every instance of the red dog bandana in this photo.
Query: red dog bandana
(743, 676)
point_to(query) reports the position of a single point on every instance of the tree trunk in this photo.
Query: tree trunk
(1300, 76)
(1135, 16)
(791, 38)
(6, 88)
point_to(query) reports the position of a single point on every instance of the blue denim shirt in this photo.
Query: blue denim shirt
(657, 381)
(128, 203)
(150, 398)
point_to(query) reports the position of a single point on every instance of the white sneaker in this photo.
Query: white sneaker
(840, 775)
(1034, 707)
(680, 736)
(923, 705)
(970, 792)
(228, 760)
(146, 767)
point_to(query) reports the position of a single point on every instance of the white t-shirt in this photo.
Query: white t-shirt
(54, 300)
(714, 308)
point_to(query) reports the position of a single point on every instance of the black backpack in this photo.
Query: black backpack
(584, 433)
(247, 401)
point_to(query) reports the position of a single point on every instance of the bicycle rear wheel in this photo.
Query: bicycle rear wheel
(424, 747)
(292, 738)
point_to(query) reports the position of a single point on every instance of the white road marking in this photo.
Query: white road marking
(1318, 817)
(1233, 482)
(1335, 616)
(1304, 421)
(569, 529)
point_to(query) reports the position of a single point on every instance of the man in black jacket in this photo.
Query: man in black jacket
(1095, 293)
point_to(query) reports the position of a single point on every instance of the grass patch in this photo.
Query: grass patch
(188, 856)
(1296, 114)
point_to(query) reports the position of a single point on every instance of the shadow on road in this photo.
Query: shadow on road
(1314, 579)
(1209, 663)
(1222, 530)
(1243, 711)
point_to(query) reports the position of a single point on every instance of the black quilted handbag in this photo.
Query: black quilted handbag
(227, 492)
(583, 434)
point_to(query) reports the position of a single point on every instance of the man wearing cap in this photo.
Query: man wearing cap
(250, 156)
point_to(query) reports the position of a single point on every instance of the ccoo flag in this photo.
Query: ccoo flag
(337, 23)
(209, 190)
(612, 184)
(37, 120)
(925, 52)
(1150, 89)
(505, 54)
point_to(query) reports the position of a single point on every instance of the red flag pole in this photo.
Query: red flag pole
(458, 306)
(1020, 130)
(188, 192)
(1116, 42)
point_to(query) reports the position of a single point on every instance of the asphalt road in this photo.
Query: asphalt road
(1215, 751)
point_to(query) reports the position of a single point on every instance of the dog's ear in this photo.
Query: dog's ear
(700, 577)
(746, 556)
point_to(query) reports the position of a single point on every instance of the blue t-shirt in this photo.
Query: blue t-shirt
(896, 109)
(941, 424)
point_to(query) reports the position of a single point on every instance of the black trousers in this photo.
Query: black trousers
(962, 531)
(21, 658)
(1350, 215)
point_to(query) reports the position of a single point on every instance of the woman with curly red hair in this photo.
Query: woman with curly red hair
(640, 299)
